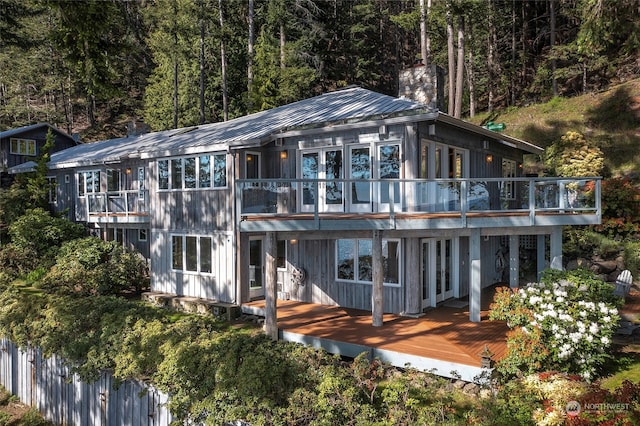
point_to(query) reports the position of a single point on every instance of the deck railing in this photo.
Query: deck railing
(119, 203)
(268, 197)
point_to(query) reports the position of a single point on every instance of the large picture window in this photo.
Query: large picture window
(204, 171)
(354, 261)
(191, 253)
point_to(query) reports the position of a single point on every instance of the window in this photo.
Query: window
(113, 180)
(115, 234)
(281, 259)
(176, 252)
(508, 186)
(192, 253)
(142, 234)
(360, 268)
(205, 254)
(193, 172)
(23, 146)
(53, 193)
(88, 182)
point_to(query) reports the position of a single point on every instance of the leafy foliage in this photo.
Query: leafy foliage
(92, 266)
(36, 237)
(565, 322)
(573, 156)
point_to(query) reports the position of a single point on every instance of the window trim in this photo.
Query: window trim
(27, 144)
(356, 260)
(198, 247)
(170, 182)
(84, 192)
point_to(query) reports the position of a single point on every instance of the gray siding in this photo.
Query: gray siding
(218, 285)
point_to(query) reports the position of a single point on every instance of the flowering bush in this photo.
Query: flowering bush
(568, 319)
(555, 390)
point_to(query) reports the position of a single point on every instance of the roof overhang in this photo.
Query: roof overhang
(504, 139)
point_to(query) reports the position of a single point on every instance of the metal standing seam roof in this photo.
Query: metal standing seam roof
(346, 105)
(24, 129)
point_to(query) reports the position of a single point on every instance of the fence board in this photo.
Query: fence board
(62, 398)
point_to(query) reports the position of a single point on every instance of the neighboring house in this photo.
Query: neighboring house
(23, 144)
(351, 198)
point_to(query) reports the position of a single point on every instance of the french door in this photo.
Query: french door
(439, 161)
(440, 277)
(323, 164)
(256, 269)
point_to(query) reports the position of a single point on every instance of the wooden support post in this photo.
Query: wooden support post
(541, 256)
(271, 278)
(556, 248)
(413, 285)
(475, 275)
(377, 296)
(514, 260)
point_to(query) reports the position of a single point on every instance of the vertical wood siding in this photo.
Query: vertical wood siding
(317, 258)
(216, 286)
(62, 398)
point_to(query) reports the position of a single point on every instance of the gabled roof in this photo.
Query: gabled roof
(24, 129)
(342, 107)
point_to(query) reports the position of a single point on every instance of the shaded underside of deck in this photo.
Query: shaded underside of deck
(443, 340)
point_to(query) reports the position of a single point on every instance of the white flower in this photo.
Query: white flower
(605, 340)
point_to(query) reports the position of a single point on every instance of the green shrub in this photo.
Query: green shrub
(584, 242)
(566, 322)
(92, 266)
(632, 257)
(39, 231)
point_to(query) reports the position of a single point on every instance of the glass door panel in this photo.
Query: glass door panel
(256, 271)
(310, 167)
(324, 164)
(389, 168)
(360, 168)
(332, 191)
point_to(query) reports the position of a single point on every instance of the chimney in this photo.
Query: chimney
(424, 84)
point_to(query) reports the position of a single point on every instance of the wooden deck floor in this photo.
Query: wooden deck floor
(444, 334)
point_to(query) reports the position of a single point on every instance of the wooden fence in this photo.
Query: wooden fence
(63, 399)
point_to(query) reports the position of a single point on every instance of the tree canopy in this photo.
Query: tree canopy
(94, 66)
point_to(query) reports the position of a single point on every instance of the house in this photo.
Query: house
(351, 198)
(23, 144)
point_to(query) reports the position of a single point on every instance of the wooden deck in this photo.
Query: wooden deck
(443, 339)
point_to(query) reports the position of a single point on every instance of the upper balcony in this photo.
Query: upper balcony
(408, 204)
(114, 207)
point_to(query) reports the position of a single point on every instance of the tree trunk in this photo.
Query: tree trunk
(460, 69)
(202, 76)
(513, 53)
(491, 49)
(223, 67)
(283, 40)
(470, 73)
(423, 34)
(552, 28)
(451, 61)
(250, 46)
